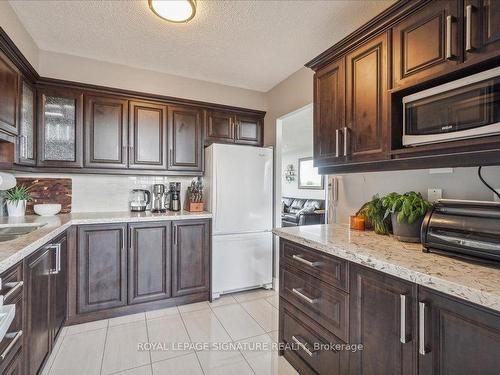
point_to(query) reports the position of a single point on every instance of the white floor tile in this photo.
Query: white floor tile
(122, 351)
(143, 370)
(263, 312)
(86, 327)
(126, 319)
(80, 354)
(274, 335)
(254, 294)
(185, 365)
(167, 335)
(274, 300)
(194, 307)
(204, 327)
(223, 363)
(162, 313)
(53, 355)
(237, 322)
(222, 301)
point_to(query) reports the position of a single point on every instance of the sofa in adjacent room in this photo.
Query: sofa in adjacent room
(300, 211)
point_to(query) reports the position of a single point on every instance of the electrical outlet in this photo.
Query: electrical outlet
(495, 198)
(434, 194)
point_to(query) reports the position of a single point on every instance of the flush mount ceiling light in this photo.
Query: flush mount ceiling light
(174, 10)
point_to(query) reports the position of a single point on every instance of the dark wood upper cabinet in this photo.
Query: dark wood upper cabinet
(60, 127)
(190, 257)
(38, 268)
(26, 147)
(482, 29)
(248, 130)
(185, 141)
(9, 95)
(459, 338)
(219, 127)
(366, 101)
(329, 112)
(106, 132)
(426, 43)
(149, 266)
(148, 136)
(59, 285)
(382, 319)
(102, 267)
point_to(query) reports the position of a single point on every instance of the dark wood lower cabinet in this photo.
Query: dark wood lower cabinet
(382, 316)
(149, 262)
(102, 267)
(59, 285)
(190, 257)
(458, 338)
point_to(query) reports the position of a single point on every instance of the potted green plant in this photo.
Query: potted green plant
(407, 212)
(16, 199)
(375, 211)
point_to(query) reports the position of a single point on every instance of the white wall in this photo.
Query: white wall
(358, 188)
(106, 193)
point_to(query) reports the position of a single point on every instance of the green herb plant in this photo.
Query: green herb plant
(375, 211)
(18, 193)
(409, 207)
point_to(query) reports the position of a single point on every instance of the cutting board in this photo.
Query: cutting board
(48, 190)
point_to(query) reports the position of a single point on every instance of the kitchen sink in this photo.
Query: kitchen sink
(10, 232)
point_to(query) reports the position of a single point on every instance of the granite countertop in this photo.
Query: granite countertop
(14, 251)
(472, 282)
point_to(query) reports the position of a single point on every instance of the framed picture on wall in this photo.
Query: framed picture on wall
(309, 178)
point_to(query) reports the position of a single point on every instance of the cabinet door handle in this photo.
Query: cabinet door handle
(171, 152)
(421, 328)
(54, 271)
(346, 140)
(16, 336)
(58, 257)
(303, 296)
(302, 260)
(468, 28)
(449, 21)
(402, 337)
(14, 287)
(175, 234)
(337, 143)
(303, 346)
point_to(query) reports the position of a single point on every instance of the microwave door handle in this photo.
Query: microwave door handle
(467, 242)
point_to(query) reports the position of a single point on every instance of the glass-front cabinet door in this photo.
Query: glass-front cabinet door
(27, 134)
(60, 134)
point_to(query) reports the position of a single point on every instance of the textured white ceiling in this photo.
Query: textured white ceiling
(249, 44)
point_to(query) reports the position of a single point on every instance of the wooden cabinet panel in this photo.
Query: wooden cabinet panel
(219, 127)
(148, 136)
(149, 262)
(59, 285)
(376, 311)
(102, 267)
(366, 100)
(60, 124)
(420, 43)
(329, 112)
(190, 257)
(482, 29)
(9, 95)
(459, 338)
(248, 130)
(15, 365)
(185, 139)
(37, 339)
(106, 125)
(26, 148)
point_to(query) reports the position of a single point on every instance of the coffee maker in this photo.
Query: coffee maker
(175, 196)
(159, 198)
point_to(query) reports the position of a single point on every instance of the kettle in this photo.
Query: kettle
(140, 200)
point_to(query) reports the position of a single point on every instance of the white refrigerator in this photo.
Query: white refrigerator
(239, 193)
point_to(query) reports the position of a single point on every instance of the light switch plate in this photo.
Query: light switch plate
(434, 194)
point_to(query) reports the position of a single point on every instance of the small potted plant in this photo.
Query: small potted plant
(375, 211)
(16, 199)
(407, 212)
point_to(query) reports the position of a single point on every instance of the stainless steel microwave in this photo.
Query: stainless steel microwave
(465, 108)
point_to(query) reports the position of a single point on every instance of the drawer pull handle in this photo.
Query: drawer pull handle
(303, 296)
(16, 336)
(302, 260)
(14, 288)
(303, 346)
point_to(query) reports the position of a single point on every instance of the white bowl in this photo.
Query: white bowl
(47, 209)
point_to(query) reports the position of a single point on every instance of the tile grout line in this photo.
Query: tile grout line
(191, 340)
(149, 351)
(104, 348)
(55, 354)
